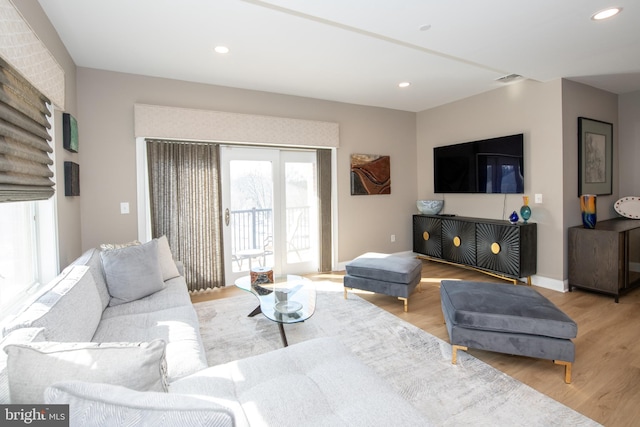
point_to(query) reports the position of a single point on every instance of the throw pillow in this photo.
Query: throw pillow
(165, 257)
(111, 246)
(31, 368)
(101, 404)
(132, 272)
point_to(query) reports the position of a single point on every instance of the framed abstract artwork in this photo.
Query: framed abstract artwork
(595, 157)
(370, 174)
(69, 133)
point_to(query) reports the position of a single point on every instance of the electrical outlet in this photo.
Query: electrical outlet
(393, 238)
(124, 208)
(538, 198)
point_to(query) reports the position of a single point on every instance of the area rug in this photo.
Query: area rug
(417, 364)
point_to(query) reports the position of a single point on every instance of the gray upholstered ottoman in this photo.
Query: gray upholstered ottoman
(507, 319)
(385, 274)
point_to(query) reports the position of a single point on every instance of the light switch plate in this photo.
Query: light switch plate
(124, 208)
(538, 198)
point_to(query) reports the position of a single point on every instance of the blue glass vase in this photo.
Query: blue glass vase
(525, 210)
(588, 210)
(513, 218)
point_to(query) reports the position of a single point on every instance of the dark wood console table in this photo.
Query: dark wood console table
(493, 247)
(605, 259)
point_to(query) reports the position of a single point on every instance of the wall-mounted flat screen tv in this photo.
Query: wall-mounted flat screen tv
(494, 165)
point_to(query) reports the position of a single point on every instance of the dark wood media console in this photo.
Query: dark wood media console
(494, 247)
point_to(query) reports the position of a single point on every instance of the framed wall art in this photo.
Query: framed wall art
(69, 133)
(370, 174)
(595, 157)
(71, 179)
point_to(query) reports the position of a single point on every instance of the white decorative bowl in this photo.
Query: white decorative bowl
(430, 207)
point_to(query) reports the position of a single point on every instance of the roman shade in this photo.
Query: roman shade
(25, 172)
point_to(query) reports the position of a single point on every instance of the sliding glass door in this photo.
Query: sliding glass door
(270, 210)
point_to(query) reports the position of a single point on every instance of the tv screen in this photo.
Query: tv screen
(493, 165)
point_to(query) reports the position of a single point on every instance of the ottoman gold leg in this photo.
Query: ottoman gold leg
(567, 370)
(454, 352)
(345, 293)
(406, 303)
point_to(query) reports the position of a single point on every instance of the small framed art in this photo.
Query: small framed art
(69, 132)
(595, 157)
(71, 179)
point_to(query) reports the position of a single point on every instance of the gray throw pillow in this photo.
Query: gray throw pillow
(31, 368)
(133, 272)
(165, 257)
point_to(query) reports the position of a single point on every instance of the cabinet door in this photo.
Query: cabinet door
(499, 248)
(427, 236)
(459, 241)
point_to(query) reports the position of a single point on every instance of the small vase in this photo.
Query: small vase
(525, 210)
(588, 209)
(513, 218)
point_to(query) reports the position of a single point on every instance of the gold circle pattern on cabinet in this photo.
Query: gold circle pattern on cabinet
(495, 248)
(425, 235)
(457, 241)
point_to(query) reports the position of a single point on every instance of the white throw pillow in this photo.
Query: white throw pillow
(133, 272)
(31, 368)
(103, 404)
(165, 257)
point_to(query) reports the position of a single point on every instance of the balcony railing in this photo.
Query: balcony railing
(252, 229)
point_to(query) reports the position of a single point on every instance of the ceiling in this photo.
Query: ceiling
(357, 51)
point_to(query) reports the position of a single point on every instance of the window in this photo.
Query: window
(28, 253)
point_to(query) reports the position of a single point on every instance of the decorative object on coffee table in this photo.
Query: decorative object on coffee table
(588, 210)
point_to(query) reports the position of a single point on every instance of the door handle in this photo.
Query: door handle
(227, 217)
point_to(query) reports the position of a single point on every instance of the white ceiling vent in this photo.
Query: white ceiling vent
(509, 79)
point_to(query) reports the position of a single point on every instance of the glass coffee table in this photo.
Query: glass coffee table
(290, 299)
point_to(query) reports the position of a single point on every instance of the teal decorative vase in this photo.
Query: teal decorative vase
(588, 209)
(525, 210)
(513, 218)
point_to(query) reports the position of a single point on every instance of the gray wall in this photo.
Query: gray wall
(107, 154)
(629, 143)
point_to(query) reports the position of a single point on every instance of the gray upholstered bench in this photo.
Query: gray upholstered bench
(385, 274)
(507, 319)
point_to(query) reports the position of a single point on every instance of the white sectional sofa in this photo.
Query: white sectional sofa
(116, 337)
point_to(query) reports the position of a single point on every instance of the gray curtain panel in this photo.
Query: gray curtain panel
(25, 172)
(184, 187)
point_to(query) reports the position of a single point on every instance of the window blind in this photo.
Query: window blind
(25, 172)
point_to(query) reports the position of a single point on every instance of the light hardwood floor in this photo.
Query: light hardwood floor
(606, 374)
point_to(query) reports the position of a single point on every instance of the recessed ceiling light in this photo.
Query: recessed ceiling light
(607, 13)
(221, 49)
(404, 84)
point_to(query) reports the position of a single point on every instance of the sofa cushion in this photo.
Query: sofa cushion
(31, 368)
(504, 308)
(69, 311)
(385, 268)
(132, 272)
(106, 405)
(165, 257)
(316, 382)
(19, 336)
(178, 326)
